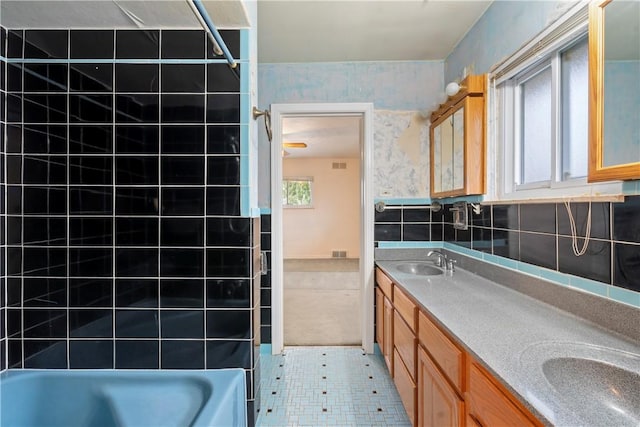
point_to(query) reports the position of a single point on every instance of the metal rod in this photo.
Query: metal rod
(201, 13)
(381, 206)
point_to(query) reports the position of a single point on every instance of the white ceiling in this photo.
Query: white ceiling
(362, 30)
(325, 136)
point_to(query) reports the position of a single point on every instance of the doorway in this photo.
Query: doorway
(322, 278)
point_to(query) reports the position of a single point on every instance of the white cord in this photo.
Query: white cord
(574, 233)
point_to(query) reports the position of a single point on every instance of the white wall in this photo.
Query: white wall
(334, 221)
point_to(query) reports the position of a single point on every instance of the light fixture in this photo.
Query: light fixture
(294, 144)
(453, 88)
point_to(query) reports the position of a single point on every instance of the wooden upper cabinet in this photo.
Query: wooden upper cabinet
(458, 142)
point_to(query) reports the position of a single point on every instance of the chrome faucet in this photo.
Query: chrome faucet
(442, 261)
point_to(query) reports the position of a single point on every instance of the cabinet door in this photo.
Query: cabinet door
(457, 156)
(387, 339)
(380, 318)
(406, 387)
(438, 403)
(436, 179)
(446, 154)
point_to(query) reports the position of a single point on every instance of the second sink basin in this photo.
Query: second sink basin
(418, 268)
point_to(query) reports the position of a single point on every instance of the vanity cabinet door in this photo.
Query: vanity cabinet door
(387, 340)
(438, 403)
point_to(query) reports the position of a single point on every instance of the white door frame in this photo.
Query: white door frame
(278, 113)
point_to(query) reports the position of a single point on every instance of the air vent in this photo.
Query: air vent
(339, 254)
(339, 165)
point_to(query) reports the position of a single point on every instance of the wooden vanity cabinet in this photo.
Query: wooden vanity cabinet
(384, 318)
(405, 347)
(438, 403)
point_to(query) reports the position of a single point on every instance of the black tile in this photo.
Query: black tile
(221, 78)
(14, 261)
(137, 293)
(43, 170)
(223, 108)
(595, 264)
(626, 227)
(14, 323)
(182, 201)
(45, 139)
(600, 219)
(223, 170)
(44, 77)
(90, 200)
(43, 292)
(91, 44)
(137, 44)
(231, 38)
(14, 77)
(14, 138)
(138, 354)
(181, 262)
(228, 293)
(137, 108)
(44, 231)
(183, 44)
(228, 231)
(538, 217)
(90, 170)
(90, 323)
(178, 293)
(3, 41)
(137, 201)
(14, 108)
(14, 169)
(229, 324)
(265, 334)
(265, 241)
(223, 262)
(45, 108)
(183, 170)
(90, 262)
(50, 262)
(388, 215)
(38, 323)
(506, 216)
(14, 200)
(538, 249)
(137, 231)
(91, 77)
(136, 324)
(223, 139)
(410, 214)
(223, 201)
(90, 108)
(182, 108)
(483, 219)
(91, 354)
(14, 353)
(90, 293)
(182, 354)
(463, 237)
(183, 139)
(506, 244)
(49, 44)
(15, 43)
(228, 354)
(182, 232)
(90, 139)
(387, 232)
(182, 323)
(41, 200)
(90, 231)
(137, 77)
(14, 230)
(136, 262)
(137, 139)
(415, 232)
(626, 266)
(481, 239)
(45, 354)
(183, 78)
(136, 170)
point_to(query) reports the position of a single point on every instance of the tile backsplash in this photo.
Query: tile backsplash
(536, 234)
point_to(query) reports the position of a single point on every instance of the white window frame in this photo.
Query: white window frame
(544, 50)
(308, 179)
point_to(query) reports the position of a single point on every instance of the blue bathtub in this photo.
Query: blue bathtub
(106, 398)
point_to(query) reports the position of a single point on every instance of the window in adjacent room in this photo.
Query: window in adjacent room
(297, 192)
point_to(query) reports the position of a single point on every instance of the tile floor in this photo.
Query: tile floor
(328, 386)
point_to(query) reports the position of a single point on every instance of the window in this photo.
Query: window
(548, 126)
(296, 192)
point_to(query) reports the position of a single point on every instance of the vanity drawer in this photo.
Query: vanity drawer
(444, 352)
(405, 307)
(384, 283)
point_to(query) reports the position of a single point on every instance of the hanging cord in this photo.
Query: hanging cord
(574, 233)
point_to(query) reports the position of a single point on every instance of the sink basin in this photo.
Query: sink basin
(606, 391)
(418, 269)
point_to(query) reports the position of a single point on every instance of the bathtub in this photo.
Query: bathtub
(110, 398)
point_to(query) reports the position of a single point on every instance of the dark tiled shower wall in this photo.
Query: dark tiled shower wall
(3, 335)
(126, 248)
(538, 234)
(265, 286)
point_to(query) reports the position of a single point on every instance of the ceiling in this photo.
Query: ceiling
(325, 136)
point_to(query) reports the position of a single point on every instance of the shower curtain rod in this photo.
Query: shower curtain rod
(201, 13)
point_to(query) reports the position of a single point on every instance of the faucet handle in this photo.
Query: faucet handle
(450, 265)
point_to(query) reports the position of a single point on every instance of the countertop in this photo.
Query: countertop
(513, 335)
